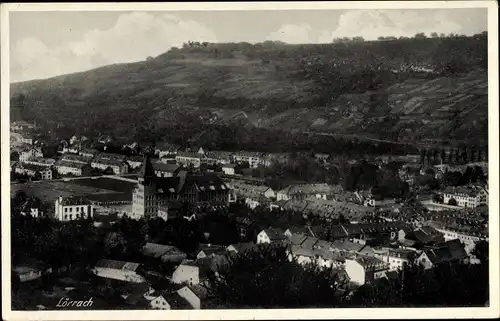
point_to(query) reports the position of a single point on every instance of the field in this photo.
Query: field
(49, 191)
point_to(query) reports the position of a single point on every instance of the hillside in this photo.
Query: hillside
(401, 90)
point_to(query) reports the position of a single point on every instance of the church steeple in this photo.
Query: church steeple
(147, 173)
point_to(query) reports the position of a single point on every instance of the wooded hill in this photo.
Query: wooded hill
(402, 90)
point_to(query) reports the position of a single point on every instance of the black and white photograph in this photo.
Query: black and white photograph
(216, 158)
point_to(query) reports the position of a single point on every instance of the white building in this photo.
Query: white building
(40, 161)
(134, 162)
(118, 270)
(254, 159)
(466, 196)
(303, 191)
(271, 235)
(34, 170)
(469, 239)
(118, 167)
(73, 208)
(193, 294)
(186, 272)
(78, 159)
(31, 153)
(189, 159)
(159, 303)
(228, 169)
(166, 170)
(365, 269)
(75, 169)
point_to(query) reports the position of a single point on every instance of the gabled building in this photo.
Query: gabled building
(272, 236)
(189, 159)
(42, 172)
(75, 169)
(73, 208)
(241, 247)
(30, 153)
(119, 270)
(466, 196)
(448, 252)
(191, 190)
(365, 269)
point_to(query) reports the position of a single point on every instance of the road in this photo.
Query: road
(360, 137)
(67, 179)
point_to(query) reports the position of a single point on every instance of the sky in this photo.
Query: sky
(50, 43)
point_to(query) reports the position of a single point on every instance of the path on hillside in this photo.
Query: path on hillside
(361, 137)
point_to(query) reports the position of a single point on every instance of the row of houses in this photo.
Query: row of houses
(361, 262)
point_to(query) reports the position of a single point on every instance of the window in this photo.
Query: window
(70, 209)
(65, 210)
(70, 216)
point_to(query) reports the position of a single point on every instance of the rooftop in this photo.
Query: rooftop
(117, 265)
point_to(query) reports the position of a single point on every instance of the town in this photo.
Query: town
(171, 227)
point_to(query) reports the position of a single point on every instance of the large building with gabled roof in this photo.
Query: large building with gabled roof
(152, 191)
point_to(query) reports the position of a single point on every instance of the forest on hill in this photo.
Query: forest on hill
(404, 90)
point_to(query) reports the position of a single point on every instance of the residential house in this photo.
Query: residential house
(228, 169)
(77, 159)
(218, 158)
(468, 236)
(297, 235)
(303, 191)
(254, 159)
(159, 303)
(248, 230)
(166, 149)
(44, 173)
(209, 250)
(31, 207)
(188, 271)
(73, 208)
(425, 235)
(166, 170)
(134, 162)
(104, 139)
(166, 253)
(118, 167)
(33, 152)
(119, 270)
(271, 236)
(176, 302)
(27, 140)
(194, 294)
(32, 270)
(448, 252)
(396, 258)
(189, 159)
(89, 152)
(365, 269)
(466, 196)
(41, 161)
(241, 247)
(75, 169)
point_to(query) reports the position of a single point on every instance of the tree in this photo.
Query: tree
(420, 35)
(266, 278)
(434, 35)
(437, 198)
(109, 171)
(14, 156)
(452, 202)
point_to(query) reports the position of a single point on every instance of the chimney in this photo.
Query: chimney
(60, 199)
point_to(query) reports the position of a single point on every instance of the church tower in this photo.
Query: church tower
(144, 202)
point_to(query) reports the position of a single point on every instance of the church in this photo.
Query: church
(152, 192)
